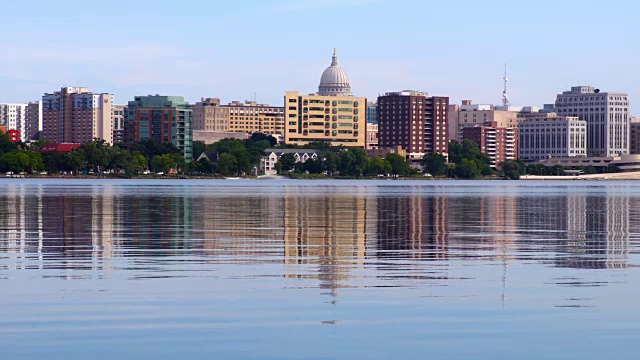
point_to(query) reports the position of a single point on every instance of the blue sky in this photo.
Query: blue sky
(232, 49)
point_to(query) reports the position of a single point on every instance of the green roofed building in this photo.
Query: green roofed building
(164, 118)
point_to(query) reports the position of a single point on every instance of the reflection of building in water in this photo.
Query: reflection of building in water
(158, 222)
(247, 227)
(417, 225)
(89, 223)
(484, 223)
(20, 215)
(326, 231)
(588, 231)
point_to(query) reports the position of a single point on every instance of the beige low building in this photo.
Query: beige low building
(251, 117)
(210, 137)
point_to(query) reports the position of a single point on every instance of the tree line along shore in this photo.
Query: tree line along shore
(151, 158)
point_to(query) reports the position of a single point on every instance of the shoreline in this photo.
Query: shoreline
(629, 176)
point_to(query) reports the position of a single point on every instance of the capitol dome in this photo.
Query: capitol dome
(334, 80)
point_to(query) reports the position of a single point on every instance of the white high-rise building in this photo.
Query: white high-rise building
(14, 116)
(606, 114)
(552, 137)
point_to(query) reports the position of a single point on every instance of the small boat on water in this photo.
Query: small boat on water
(233, 178)
(271, 177)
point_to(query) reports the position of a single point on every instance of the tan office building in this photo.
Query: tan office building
(251, 117)
(470, 115)
(332, 115)
(209, 115)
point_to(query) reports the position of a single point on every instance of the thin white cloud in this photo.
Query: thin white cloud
(304, 5)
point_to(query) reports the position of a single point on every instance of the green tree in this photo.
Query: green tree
(96, 154)
(467, 169)
(399, 166)
(163, 163)
(286, 163)
(244, 161)
(178, 160)
(198, 148)
(347, 163)
(73, 161)
(54, 161)
(313, 166)
(330, 161)
(257, 137)
(378, 166)
(510, 169)
(206, 166)
(469, 150)
(5, 143)
(227, 164)
(152, 147)
(13, 161)
(35, 161)
(118, 158)
(434, 164)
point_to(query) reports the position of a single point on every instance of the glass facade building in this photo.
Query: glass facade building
(372, 113)
(163, 118)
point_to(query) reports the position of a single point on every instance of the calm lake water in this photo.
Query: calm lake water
(243, 269)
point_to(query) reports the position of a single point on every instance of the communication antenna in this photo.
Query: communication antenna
(505, 97)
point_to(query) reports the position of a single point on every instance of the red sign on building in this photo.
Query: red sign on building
(14, 135)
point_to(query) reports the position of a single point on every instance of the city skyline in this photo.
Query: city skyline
(233, 52)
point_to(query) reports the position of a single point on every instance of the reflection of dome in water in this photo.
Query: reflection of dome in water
(334, 80)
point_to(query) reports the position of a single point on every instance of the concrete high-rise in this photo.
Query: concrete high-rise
(415, 121)
(552, 137)
(606, 114)
(163, 118)
(76, 115)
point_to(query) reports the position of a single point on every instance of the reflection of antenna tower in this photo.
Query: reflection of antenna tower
(505, 97)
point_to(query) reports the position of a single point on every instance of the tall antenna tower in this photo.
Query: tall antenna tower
(505, 97)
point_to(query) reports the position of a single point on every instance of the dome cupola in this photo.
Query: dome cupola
(334, 80)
